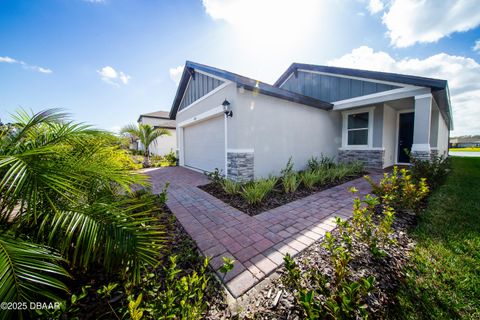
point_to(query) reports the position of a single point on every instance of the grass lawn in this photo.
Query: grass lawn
(465, 149)
(444, 280)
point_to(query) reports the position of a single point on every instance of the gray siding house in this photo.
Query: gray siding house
(249, 129)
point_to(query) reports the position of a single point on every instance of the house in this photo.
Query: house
(465, 142)
(164, 144)
(249, 129)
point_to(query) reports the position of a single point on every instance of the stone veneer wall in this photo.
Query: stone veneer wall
(240, 166)
(422, 155)
(370, 158)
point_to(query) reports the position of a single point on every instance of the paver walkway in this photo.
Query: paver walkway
(257, 243)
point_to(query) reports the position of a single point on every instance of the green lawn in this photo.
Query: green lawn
(444, 281)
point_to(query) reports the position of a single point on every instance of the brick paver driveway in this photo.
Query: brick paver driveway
(257, 243)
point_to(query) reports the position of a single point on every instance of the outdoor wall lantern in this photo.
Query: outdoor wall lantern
(227, 109)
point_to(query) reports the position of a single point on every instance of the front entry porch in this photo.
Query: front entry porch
(388, 133)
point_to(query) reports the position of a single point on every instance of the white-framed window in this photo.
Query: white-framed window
(357, 131)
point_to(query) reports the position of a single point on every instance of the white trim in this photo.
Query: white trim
(360, 149)
(398, 84)
(220, 87)
(211, 75)
(379, 97)
(369, 144)
(202, 116)
(422, 147)
(240, 150)
(397, 133)
(184, 93)
(225, 159)
(288, 78)
(422, 96)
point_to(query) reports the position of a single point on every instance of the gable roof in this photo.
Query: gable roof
(434, 84)
(438, 87)
(246, 83)
(163, 118)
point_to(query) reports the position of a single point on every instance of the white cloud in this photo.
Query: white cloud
(8, 60)
(476, 46)
(111, 76)
(95, 1)
(412, 21)
(176, 74)
(25, 65)
(375, 6)
(462, 74)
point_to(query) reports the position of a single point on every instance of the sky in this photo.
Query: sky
(108, 61)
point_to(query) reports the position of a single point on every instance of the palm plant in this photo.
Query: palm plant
(67, 199)
(147, 135)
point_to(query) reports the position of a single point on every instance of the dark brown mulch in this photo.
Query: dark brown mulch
(274, 199)
(388, 272)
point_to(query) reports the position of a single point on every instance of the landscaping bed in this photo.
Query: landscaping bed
(178, 243)
(275, 301)
(255, 197)
(276, 198)
(356, 270)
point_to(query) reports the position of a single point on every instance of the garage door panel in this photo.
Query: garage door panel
(204, 145)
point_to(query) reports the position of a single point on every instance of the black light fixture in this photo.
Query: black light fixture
(226, 108)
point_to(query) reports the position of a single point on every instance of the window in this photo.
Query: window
(357, 129)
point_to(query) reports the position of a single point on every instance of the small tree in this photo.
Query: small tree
(147, 136)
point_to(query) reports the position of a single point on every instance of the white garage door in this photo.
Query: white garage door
(204, 145)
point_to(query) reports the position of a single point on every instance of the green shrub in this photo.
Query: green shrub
(309, 178)
(256, 191)
(288, 168)
(215, 176)
(183, 296)
(321, 298)
(325, 162)
(400, 190)
(231, 187)
(290, 182)
(171, 158)
(434, 170)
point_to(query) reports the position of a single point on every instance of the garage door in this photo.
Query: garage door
(204, 145)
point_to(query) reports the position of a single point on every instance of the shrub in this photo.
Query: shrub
(325, 162)
(171, 158)
(215, 176)
(231, 187)
(399, 190)
(434, 170)
(309, 178)
(256, 191)
(321, 298)
(182, 297)
(288, 168)
(290, 182)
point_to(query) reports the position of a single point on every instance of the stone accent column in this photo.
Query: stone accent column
(421, 128)
(240, 165)
(373, 158)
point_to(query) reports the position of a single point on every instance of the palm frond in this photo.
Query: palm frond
(28, 270)
(115, 235)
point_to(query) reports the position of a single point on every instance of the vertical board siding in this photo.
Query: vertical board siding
(330, 88)
(198, 86)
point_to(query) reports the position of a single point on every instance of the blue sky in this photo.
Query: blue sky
(108, 61)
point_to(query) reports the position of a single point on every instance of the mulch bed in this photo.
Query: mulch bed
(274, 199)
(274, 301)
